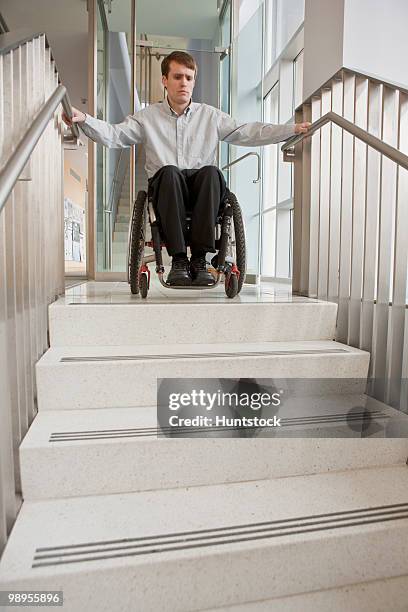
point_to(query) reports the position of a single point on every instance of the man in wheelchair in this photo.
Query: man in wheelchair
(181, 141)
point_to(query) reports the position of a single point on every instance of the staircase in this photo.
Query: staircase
(121, 229)
(121, 519)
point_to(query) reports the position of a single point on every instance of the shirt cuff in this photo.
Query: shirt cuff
(289, 131)
(88, 121)
(88, 125)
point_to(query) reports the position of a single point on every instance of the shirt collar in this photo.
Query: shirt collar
(170, 111)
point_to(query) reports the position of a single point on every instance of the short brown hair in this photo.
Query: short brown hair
(181, 57)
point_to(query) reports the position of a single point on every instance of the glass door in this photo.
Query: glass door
(225, 76)
(114, 103)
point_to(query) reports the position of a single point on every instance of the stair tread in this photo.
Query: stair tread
(299, 503)
(74, 424)
(77, 377)
(310, 348)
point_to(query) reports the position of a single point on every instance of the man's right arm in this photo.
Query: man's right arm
(115, 136)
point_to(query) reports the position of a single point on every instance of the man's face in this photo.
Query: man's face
(179, 83)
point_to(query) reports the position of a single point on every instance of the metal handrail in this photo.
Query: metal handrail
(25, 147)
(379, 145)
(243, 157)
(66, 105)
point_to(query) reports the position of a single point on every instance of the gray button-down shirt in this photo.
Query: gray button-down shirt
(186, 141)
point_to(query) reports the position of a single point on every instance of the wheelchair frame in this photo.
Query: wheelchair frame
(229, 219)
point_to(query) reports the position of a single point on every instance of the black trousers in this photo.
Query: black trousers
(176, 191)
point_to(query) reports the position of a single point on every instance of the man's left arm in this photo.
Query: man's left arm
(256, 134)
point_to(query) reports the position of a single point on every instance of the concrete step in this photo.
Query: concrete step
(95, 452)
(222, 545)
(373, 596)
(124, 323)
(80, 377)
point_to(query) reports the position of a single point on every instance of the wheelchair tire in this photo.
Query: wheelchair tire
(143, 285)
(239, 231)
(231, 285)
(136, 241)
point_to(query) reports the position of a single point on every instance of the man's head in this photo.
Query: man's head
(179, 71)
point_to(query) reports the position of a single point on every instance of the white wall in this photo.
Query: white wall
(369, 36)
(323, 54)
(376, 38)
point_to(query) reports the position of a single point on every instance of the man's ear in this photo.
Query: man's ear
(164, 81)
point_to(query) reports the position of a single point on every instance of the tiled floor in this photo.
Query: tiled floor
(92, 292)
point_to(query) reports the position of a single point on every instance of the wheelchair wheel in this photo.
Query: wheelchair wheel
(143, 285)
(136, 241)
(239, 240)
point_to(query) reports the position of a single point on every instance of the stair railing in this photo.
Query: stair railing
(31, 238)
(350, 241)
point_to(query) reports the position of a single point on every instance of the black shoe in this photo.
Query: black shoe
(199, 272)
(179, 274)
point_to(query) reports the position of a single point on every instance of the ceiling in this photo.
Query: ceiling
(184, 18)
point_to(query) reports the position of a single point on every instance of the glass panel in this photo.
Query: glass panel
(297, 81)
(290, 15)
(225, 67)
(276, 254)
(270, 34)
(270, 152)
(247, 9)
(247, 107)
(283, 243)
(269, 188)
(226, 26)
(195, 29)
(113, 104)
(268, 243)
(100, 151)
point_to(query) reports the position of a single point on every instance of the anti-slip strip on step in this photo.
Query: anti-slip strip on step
(201, 355)
(146, 545)
(103, 434)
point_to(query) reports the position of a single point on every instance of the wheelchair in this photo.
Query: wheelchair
(229, 263)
